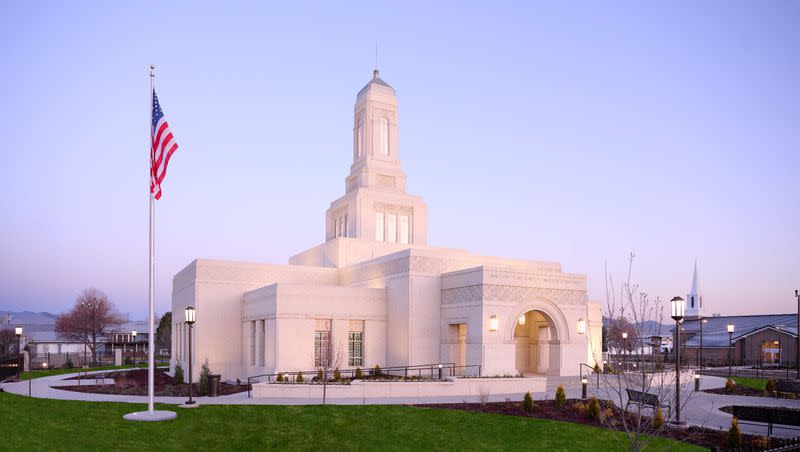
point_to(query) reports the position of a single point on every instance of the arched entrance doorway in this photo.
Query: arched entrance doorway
(537, 344)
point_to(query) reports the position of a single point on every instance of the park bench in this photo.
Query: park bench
(787, 387)
(647, 399)
(767, 415)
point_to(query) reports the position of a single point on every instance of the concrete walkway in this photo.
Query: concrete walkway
(702, 409)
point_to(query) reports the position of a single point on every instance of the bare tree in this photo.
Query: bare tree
(8, 341)
(92, 317)
(331, 358)
(631, 310)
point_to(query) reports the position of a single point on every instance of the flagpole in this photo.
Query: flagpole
(151, 414)
(151, 357)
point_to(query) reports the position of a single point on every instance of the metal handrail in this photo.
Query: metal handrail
(448, 369)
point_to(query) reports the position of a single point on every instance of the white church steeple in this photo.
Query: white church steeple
(694, 300)
(375, 206)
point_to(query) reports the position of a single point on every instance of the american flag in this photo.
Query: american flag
(162, 147)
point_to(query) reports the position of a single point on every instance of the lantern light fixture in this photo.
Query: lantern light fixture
(677, 308)
(521, 320)
(493, 323)
(189, 314)
(581, 326)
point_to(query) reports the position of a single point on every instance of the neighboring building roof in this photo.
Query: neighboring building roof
(715, 330)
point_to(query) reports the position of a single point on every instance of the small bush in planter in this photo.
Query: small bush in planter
(377, 370)
(204, 373)
(527, 403)
(730, 386)
(771, 388)
(178, 377)
(593, 409)
(734, 437)
(658, 419)
(561, 397)
(279, 378)
(359, 374)
(320, 376)
(337, 376)
(597, 368)
(299, 379)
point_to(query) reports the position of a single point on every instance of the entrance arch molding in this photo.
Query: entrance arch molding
(545, 306)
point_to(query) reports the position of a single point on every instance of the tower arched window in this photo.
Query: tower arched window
(383, 147)
(360, 138)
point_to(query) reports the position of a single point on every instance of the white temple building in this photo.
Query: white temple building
(380, 293)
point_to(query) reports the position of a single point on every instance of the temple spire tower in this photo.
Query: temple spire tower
(694, 300)
(375, 206)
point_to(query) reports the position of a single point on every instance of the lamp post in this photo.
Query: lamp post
(133, 335)
(702, 321)
(677, 311)
(625, 348)
(730, 352)
(18, 334)
(189, 317)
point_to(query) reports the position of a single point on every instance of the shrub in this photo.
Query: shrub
(730, 386)
(359, 374)
(279, 378)
(320, 375)
(121, 380)
(771, 386)
(734, 437)
(593, 410)
(336, 374)
(377, 370)
(761, 443)
(69, 364)
(204, 373)
(128, 361)
(527, 403)
(178, 376)
(299, 379)
(597, 368)
(561, 398)
(658, 419)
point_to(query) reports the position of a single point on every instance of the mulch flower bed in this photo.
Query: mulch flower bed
(572, 412)
(750, 392)
(134, 382)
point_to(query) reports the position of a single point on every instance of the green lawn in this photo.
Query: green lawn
(41, 424)
(49, 372)
(754, 383)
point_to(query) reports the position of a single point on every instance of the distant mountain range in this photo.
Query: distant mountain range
(31, 321)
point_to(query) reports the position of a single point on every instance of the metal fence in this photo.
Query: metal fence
(754, 369)
(41, 361)
(419, 372)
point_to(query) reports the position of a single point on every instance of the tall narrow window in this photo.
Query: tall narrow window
(322, 343)
(379, 226)
(355, 348)
(403, 226)
(384, 136)
(253, 343)
(391, 227)
(360, 138)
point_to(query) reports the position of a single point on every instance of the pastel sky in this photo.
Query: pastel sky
(575, 133)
